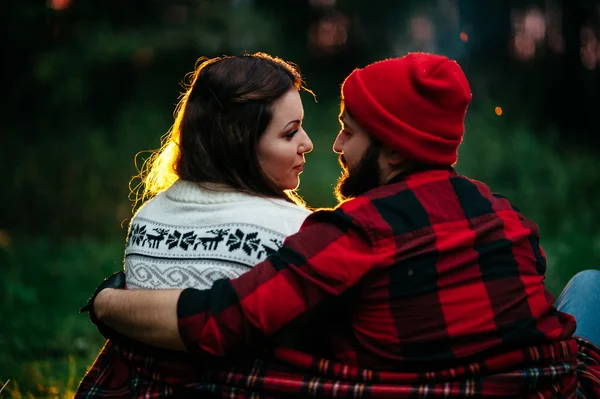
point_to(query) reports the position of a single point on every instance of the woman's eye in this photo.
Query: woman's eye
(291, 134)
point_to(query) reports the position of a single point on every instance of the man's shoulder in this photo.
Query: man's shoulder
(426, 198)
(426, 184)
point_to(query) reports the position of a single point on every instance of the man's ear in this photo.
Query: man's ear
(391, 157)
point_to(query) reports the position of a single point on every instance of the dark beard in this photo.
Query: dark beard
(361, 178)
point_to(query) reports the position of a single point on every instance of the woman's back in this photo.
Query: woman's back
(239, 123)
(190, 236)
(187, 236)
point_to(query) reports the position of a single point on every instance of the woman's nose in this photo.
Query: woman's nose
(307, 144)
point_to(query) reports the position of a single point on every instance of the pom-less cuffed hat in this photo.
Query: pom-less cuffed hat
(415, 104)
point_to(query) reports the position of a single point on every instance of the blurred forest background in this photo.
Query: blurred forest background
(86, 85)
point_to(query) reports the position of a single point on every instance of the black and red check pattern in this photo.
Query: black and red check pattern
(436, 289)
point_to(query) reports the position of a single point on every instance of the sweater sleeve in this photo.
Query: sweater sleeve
(329, 255)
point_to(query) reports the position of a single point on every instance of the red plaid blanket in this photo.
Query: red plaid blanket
(565, 369)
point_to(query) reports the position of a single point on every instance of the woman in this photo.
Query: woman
(220, 198)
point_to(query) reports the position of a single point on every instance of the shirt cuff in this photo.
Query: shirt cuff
(191, 314)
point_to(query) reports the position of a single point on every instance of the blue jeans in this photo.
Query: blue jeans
(581, 298)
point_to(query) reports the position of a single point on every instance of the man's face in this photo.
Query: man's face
(359, 159)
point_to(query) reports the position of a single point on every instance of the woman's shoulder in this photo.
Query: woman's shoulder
(188, 204)
(282, 205)
(148, 206)
(275, 213)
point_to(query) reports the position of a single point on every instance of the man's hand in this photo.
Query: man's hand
(117, 280)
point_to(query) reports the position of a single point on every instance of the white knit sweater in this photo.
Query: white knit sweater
(188, 236)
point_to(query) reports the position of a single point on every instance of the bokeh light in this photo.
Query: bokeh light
(329, 35)
(589, 47)
(59, 4)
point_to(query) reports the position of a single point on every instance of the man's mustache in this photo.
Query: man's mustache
(342, 161)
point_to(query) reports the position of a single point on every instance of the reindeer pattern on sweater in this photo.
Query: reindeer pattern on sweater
(190, 237)
(164, 256)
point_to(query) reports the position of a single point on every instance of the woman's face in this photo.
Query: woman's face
(282, 146)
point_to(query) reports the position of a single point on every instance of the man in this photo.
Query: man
(435, 284)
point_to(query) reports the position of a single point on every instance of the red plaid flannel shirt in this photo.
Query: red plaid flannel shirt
(434, 287)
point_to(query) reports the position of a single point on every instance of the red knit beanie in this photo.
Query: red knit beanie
(415, 104)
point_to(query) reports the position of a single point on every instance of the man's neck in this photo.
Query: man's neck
(397, 173)
(390, 176)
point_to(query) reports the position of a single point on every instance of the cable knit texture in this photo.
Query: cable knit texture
(190, 236)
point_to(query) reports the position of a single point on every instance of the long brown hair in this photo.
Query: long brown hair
(222, 114)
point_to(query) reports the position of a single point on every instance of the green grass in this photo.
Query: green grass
(45, 344)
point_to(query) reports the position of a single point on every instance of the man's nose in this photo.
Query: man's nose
(338, 145)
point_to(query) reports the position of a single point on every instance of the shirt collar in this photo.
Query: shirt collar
(420, 170)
